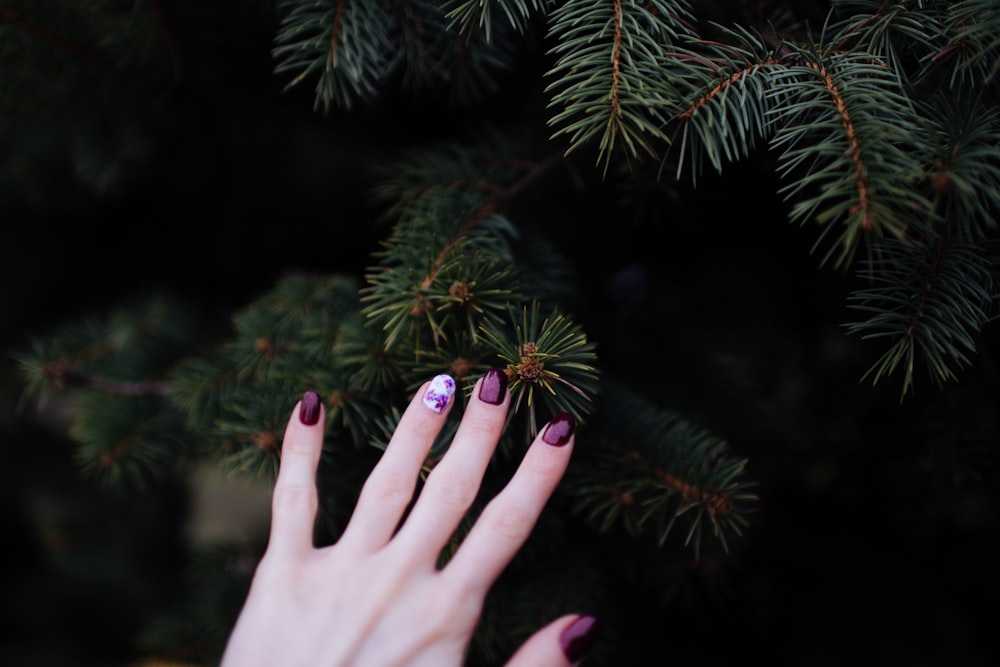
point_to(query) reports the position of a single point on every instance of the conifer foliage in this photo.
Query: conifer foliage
(881, 120)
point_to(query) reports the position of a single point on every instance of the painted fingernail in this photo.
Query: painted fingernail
(559, 430)
(494, 387)
(578, 637)
(439, 392)
(309, 410)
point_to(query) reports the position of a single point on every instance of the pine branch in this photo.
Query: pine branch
(647, 470)
(468, 15)
(239, 395)
(929, 300)
(972, 47)
(489, 162)
(450, 254)
(432, 268)
(966, 165)
(727, 107)
(850, 142)
(549, 364)
(609, 78)
(422, 39)
(473, 65)
(342, 42)
(126, 442)
(63, 377)
(901, 33)
(354, 48)
(128, 352)
(112, 377)
(438, 50)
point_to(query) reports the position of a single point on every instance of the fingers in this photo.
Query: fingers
(294, 501)
(453, 484)
(389, 488)
(562, 643)
(508, 519)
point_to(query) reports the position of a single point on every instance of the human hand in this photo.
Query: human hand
(376, 597)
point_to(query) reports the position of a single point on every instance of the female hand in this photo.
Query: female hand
(376, 597)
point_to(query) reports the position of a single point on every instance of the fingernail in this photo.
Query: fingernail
(439, 392)
(578, 637)
(494, 387)
(559, 430)
(309, 410)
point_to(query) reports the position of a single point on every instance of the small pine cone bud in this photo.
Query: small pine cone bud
(942, 178)
(266, 441)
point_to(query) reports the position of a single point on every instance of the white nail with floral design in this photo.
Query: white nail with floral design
(440, 391)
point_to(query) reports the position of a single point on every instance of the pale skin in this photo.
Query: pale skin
(376, 597)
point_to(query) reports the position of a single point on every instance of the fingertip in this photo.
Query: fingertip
(566, 641)
(559, 431)
(294, 500)
(578, 636)
(493, 387)
(310, 408)
(304, 427)
(438, 393)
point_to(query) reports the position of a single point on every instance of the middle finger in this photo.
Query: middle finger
(453, 484)
(390, 486)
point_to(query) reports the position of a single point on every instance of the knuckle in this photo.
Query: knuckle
(301, 447)
(542, 466)
(392, 487)
(481, 428)
(454, 491)
(422, 429)
(422, 426)
(510, 521)
(293, 498)
(464, 599)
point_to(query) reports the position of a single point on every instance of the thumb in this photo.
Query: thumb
(562, 643)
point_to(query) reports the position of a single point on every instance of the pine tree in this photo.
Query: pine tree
(880, 122)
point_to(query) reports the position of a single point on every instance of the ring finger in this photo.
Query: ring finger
(509, 518)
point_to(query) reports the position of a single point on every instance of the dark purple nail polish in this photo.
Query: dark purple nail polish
(494, 387)
(309, 410)
(578, 637)
(559, 430)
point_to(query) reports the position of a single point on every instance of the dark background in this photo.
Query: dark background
(875, 539)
